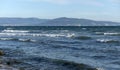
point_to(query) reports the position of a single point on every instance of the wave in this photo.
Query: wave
(84, 28)
(37, 34)
(108, 33)
(45, 63)
(17, 39)
(15, 31)
(111, 33)
(70, 65)
(107, 41)
(26, 40)
(99, 33)
(53, 35)
(82, 37)
(8, 39)
(116, 62)
(99, 56)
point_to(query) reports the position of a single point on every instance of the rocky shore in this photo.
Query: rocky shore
(8, 64)
(5, 66)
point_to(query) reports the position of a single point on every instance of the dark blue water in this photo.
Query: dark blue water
(36, 47)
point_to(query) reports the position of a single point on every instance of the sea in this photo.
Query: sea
(61, 47)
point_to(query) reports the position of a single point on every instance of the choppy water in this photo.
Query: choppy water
(38, 47)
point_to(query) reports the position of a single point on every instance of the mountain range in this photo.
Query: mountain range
(62, 21)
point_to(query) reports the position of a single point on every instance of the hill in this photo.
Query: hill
(63, 21)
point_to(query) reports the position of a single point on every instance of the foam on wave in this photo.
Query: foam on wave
(108, 33)
(107, 41)
(8, 39)
(26, 40)
(37, 34)
(17, 39)
(15, 31)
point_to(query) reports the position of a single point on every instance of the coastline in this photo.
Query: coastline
(6, 67)
(3, 65)
(8, 64)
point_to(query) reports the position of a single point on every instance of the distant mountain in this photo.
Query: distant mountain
(21, 21)
(63, 21)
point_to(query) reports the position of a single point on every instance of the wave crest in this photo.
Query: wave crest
(37, 34)
(107, 41)
(111, 33)
(108, 33)
(17, 39)
(15, 31)
(8, 39)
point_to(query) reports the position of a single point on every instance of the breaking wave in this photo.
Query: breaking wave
(26, 40)
(15, 31)
(17, 39)
(37, 34)
(108, 33)
(111, 33)
(13, 39)
(107, 41)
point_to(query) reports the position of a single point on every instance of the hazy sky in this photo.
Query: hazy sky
(90, 9)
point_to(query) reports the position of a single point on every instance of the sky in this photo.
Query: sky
(48, 9)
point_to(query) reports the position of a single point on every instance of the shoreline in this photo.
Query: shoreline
(3, 64)
(8, 64)
(6, 67)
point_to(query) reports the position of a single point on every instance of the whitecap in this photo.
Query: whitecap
(8, 39)
(109, 33)
(38, 34)
(15, 31)
(107, 41)
(24, 40)
(70, 35)
(5, 38)
(53, 35)
(99, 68)
(16, 39)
